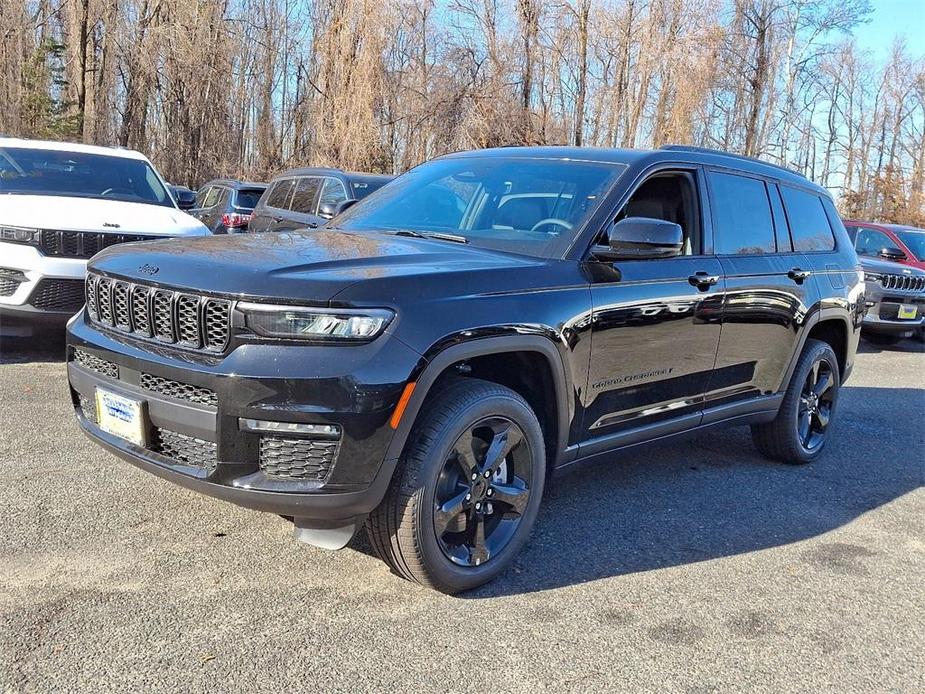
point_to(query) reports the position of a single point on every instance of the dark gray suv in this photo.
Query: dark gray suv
(307, 198)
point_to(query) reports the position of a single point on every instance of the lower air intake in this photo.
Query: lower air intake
(297, 458)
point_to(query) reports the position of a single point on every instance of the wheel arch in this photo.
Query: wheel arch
(829, 325)
(477, 354)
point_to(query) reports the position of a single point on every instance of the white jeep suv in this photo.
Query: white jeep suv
(62, 203)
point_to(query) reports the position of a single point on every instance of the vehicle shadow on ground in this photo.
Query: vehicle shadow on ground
(41, 347)
(715, 496)
(910, 345)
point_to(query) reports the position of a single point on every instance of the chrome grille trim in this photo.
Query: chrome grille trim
(188, 320)
(91, 298)
(120, 308)
(141, 322)
(905, 283)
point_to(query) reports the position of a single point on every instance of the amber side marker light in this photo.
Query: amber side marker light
(402, 404)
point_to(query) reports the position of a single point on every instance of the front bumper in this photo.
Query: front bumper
(882, 312)
(195, 406)
(38, 290)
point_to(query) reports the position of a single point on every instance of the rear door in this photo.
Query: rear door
(207, 201)
(769, 287)
(303, 208)
(273, 208)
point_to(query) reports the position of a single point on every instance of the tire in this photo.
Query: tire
(785, 438)
(885, 339)
(426, 529)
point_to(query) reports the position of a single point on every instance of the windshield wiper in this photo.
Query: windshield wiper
(440, 236)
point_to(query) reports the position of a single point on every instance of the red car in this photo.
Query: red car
(894, 242)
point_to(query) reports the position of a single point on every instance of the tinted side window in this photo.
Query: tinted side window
(870, 242)
(809, 225)
(742, 215)
(212, 196)
(306, 193)
(201, 196)
(278, 196)
(852, 233)
(333, 192)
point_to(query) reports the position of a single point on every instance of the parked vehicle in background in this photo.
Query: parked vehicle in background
(895, 294)
(487, 319)
(62, 203)
(183, 196)
(225, 205)
(893, 242)
(307, 198)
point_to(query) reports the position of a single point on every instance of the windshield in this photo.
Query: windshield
(26, 171)
(915, 242)
(529, 206)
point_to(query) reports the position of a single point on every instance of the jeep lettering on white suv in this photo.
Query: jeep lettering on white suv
(62, 203)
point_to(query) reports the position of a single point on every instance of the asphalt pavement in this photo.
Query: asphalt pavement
(693, 567)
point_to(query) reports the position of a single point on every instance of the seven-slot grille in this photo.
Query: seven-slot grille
(83, 244)
(174, 317)
(903, 282)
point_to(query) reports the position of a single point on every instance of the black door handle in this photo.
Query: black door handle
(798, 275)
(702, 280)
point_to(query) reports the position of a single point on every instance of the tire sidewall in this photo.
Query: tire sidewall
(443, 570)
(819, 350)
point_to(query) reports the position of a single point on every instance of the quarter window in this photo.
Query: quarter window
(742, 215)
(809, 226)
(333, 192)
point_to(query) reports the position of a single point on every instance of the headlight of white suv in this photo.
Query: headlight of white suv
(303, 323)
(31, 237)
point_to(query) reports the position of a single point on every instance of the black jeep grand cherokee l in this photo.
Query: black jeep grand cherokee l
(482, 321)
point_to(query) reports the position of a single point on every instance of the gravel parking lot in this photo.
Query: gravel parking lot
(695, 567)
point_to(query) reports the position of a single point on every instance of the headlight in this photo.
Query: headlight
(32, 237)
(872, 276)
(294, 322)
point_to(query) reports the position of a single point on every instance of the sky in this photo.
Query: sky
(892, 17)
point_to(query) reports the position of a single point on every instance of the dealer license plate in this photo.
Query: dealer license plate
(907, 311)
(121, 416)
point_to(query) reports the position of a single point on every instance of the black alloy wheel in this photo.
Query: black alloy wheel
(482, 491)
(799, 432)
(467, 490)
(816, 400)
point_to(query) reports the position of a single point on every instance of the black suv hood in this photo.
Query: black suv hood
(310, 266)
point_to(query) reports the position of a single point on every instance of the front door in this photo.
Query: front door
(655, 325)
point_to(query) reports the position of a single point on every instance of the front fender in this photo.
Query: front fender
(460, 348)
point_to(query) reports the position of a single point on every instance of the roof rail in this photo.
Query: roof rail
(710, 150)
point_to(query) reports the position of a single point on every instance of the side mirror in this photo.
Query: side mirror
(329, 210)
(891, 253)
(639, 238)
